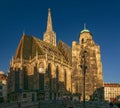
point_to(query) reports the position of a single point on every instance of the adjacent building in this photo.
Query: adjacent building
(47, 70)
(3, 87)
(112, 91)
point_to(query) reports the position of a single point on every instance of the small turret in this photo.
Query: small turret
(85, 35)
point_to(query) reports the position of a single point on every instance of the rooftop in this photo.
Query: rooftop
(111, 85)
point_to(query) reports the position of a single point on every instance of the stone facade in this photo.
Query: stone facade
(40, 68)
(45, 70)
(86, 53)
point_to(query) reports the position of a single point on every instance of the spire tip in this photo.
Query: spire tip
(84, 26)
(23, 32)
(48, 9)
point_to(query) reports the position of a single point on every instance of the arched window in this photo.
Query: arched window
(82, 40)
(41, 76)
(17, 79)
(49, 70)
(57, 73)
(65, 78)
(41, 67)
(57, 78)
(25, 78)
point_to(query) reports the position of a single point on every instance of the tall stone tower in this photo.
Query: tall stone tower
(49, 35)
(92, 60)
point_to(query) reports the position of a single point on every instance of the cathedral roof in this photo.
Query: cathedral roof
(26, 47)
(29, 45)
(66, 50)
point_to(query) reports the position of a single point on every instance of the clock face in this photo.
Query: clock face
(41, 70)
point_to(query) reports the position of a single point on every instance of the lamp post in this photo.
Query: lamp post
(84, 67)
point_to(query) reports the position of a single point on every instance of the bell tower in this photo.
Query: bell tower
(49, 35)
(85, 35)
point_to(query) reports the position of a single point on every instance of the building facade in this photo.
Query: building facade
(112, 92)
(40, 69)
(45, 70)
(86, 61)
(3, 87)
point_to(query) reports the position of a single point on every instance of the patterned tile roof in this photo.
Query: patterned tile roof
(29, 45)
(66, 50)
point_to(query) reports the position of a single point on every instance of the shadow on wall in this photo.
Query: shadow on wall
(98, 95)
(38, 83)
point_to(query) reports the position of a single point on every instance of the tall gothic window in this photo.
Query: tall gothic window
(17, 79)
(57, 79)
(65, 78)
(50, 79)
(41, 76)
(41, 81)
(49, 70)
(82, 40)
(25, 77)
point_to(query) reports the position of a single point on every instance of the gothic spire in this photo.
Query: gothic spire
(49, 21)
(49, 35)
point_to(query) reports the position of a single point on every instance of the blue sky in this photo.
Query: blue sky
(101, 16)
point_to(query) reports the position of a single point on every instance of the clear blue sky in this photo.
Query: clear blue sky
(101, 16)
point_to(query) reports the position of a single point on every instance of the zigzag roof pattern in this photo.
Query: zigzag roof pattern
(29, 45)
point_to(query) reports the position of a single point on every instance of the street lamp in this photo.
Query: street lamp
(84, 67)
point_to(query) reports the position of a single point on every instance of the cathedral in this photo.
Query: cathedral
(46, 70)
